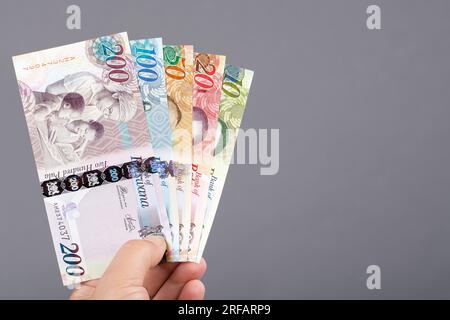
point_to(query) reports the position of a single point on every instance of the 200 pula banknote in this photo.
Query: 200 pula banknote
(149, 64)
(235, 89)
(208, 75)
(178, 61)
(92, 149)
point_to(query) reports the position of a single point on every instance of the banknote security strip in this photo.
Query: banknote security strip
(111, 174)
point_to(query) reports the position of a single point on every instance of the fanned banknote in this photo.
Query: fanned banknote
(149, 64)
(208, 75)
(178, 61)
(235, 90)
(92, 148)
(130, 138)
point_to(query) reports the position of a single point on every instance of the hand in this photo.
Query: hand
(135, 273)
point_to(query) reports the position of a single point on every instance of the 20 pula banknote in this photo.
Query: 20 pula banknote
(92, 149)
(208, 75)
(235, 89)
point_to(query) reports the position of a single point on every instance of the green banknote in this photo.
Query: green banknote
(235, 89)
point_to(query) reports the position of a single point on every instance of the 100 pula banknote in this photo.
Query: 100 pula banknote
(92, 149)
(208, 75)
(235, 89)
(149, 64)
(178, 61)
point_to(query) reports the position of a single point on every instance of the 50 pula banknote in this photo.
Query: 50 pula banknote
(178, 60)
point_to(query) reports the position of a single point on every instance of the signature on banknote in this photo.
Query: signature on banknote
(121, 192)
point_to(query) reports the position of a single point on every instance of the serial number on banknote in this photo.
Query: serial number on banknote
(63, 230)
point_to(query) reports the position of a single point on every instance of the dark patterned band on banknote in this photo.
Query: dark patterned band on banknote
(111, 174)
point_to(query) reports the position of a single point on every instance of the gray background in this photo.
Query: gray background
(364, 150)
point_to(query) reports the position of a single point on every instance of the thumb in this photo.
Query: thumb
(131, 263)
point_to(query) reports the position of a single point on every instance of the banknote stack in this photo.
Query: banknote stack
(130, 138)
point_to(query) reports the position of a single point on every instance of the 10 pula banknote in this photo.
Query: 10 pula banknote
(235, 89)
